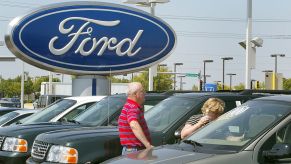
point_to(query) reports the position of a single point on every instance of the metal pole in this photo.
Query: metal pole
(181, 82)
(248, 44)
(222, 74)
(153, 68)
(50, 83)
(230, 78)
(204, 76)
(174, 77)
(22, 86)
(275, 74)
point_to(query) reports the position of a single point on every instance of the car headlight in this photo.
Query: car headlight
(62, 154)
(15, 144)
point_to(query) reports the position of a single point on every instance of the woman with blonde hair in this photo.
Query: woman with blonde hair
(211, 110)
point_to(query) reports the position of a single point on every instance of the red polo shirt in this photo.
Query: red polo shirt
(131, 111)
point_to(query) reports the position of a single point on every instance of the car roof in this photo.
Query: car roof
(286, 98)
(25, 111)
(203, 94)
(86, 98)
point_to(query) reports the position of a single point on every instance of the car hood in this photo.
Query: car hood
(168, 154)
(22, 131)
(84, 133)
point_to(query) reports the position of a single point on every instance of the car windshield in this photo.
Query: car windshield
(101, 111)
(236, 128)
(7, 117)
(50, 112)
(168, 111)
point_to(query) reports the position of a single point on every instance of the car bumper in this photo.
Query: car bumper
(31, 161)
(12, 157)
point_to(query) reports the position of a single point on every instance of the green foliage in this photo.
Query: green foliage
(162, 82)
(118, 80)
(241, 86)
(12, 87)
(286, 84)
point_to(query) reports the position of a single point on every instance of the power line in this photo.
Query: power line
(191, 18)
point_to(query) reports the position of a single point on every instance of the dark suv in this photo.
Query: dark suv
(99, 114)
(96, 144)
(257, 132)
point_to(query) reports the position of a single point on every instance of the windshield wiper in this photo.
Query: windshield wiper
(191, 142)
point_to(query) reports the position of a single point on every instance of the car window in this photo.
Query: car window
(239, 126)
(7, 117)
(50, 112)
(98, 113)
(72, 114)
(17, 119)
(168, 111)
(283, 135)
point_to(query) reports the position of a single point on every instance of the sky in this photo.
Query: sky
(206, 29)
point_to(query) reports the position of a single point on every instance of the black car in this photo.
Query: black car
(16, 141)
(94, 145)
(258, 132)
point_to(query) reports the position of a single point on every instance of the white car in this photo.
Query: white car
(66, 108)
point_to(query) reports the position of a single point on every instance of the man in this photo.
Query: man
(133, 130)
(211, 110)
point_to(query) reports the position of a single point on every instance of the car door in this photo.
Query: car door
(279, 134)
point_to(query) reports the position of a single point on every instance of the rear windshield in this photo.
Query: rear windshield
(168, 112)
(50, 112)
(100, 112)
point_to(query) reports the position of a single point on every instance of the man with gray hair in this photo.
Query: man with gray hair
(133, 130)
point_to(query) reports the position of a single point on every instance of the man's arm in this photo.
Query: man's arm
(138, 132)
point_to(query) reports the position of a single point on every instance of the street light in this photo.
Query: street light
(175, 64)
(204, 68)
(151, 4)
(230, 79)
(181, 81)
(275, 72)
(223, 59)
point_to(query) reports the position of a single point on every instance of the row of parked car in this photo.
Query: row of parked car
(83, 130)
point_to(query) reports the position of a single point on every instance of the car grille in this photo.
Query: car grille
(1, 140)
(39, 149)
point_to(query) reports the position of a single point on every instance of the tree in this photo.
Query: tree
(118, 80)
(286, 84)
(241, 86)
(162, 82)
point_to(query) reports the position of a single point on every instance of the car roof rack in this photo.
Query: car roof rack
(250, 91)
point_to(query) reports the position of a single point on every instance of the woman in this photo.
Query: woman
(211, 110)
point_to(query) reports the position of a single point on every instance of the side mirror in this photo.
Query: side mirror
(279, 151)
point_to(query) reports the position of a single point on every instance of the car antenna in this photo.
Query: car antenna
(110, 75)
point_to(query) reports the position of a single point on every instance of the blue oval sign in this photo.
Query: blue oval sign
(90, 38)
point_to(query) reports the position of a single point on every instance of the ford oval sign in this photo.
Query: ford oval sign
(90, 38)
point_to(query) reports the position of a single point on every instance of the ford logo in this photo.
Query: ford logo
(90, 38)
